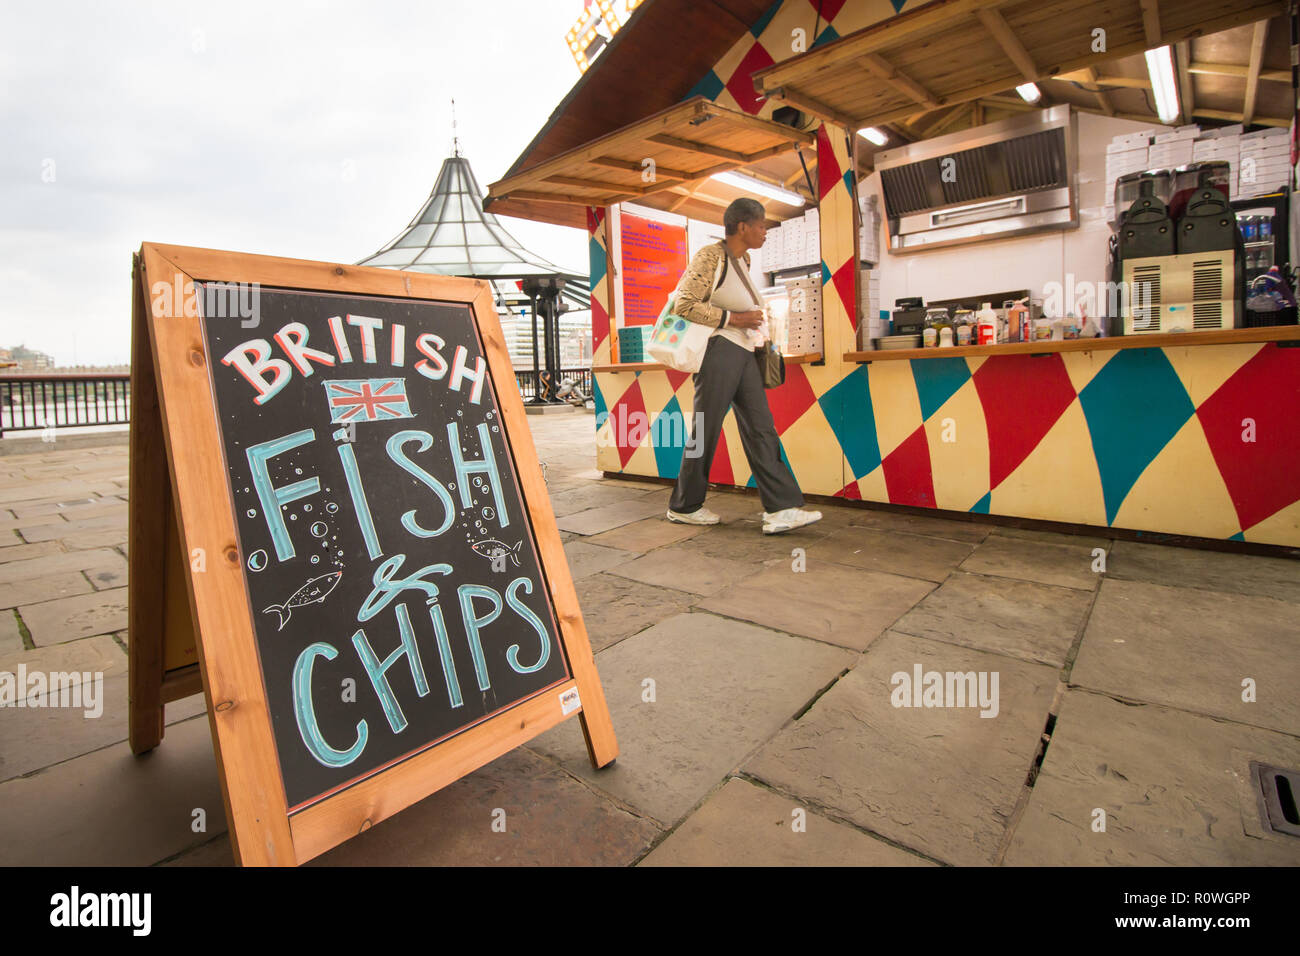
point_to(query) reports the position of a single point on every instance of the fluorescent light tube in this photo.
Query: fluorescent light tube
(760, 188)
(1160, 65)
(1029, 92)
(874, 135)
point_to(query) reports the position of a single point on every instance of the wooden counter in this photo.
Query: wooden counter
(1271, 333)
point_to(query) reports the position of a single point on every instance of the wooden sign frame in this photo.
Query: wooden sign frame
(173, 394)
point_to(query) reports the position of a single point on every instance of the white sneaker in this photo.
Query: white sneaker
(703, 516)
(788, 519)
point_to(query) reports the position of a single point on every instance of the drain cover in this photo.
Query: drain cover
(1277, 790)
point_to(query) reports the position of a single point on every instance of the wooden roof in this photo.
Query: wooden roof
(955, 52)
(688, 143)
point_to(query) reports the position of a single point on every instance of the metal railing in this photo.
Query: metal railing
(36, 402)
(528, 382)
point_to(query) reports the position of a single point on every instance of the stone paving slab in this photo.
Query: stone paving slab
(1021, 559)
(110, 808)
(84, 615)
(115, 521)
(585, 559)
(11, 638)
(1174, 788)
(742, 539)
(48, 588)
(721, 688)
(646, 535)
(614, 608)
(550, 820)
(942, 781)
(110, 576)
(1211, 570)
(592, 494)
(744, 824)
(32, 738)
(97, 559)
(108, 538)
(828, 602)
(909, 555)
(920, 524)
(608, 517)
(1192, 649)
(45, 497)
(685, 571)
(12, 524)
(25, 552)
(1035, 622)
(1088, 541)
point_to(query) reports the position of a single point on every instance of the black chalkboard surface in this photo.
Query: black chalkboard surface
(393, 575)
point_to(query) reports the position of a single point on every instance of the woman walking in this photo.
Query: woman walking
(715, 293)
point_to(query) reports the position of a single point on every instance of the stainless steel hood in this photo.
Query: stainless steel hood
(1004, 179)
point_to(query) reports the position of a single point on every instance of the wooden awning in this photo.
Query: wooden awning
(687, 143)
(956, 51)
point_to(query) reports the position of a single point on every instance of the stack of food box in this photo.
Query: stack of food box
(1222, 145)
(870, 323)
(1174, 148)
(1265, 162)
(804, 317)
(1125, 154)
(794, 244)
(869, 232)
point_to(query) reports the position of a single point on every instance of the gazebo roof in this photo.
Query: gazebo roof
(453, 236)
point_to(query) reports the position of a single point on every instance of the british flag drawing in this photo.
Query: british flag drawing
(367, 399)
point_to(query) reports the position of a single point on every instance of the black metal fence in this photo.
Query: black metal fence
(528, 382)
(37, 402)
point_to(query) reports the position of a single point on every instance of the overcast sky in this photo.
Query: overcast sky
(306, 129)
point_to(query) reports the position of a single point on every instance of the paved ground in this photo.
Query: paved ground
(752, 686)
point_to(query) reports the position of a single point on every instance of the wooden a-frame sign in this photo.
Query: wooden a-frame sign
(340, 533)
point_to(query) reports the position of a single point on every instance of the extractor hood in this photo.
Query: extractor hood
(1004, 179)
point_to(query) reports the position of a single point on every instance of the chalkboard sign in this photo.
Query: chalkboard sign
(357, 453)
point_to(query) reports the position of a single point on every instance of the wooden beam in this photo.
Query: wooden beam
(815, 107)
(700, 197)
(603, 188)
(537, 196)
(691, 146)
(772, 128)
(1234, 18)
(1081, 76)
(1011, 46)
(1256, 62)
(661, 172)
(1013, 104)
(1240, 118)
(1234, 69)
(1182, 62)
(878, 66)
(1151, 23)
(1103, 100)
(948, 120)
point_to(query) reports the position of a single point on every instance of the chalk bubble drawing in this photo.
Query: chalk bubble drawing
(492, 549)
(313, 592)
(257, 560)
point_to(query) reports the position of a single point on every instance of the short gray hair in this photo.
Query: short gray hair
(742, 210)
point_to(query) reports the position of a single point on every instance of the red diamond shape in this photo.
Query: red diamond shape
(908, 479)
(829, 174)
(1015, 425)
(791, 400)
(1262, 476)
(741, 83)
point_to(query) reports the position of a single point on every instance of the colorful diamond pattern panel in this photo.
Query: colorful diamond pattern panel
(1010, 435)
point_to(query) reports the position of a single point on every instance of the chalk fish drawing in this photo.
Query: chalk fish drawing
(313, 592)
(492, 549)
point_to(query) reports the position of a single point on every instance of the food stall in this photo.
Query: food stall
(1189, 433)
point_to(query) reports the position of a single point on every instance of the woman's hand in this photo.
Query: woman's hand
(745, 320)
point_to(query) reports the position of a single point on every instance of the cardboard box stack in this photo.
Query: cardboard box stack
(1221, 145)
(792, 244)
(1125, 154)
(1265, 162)
(869, 232)
(1173, 148)
(773, 249)
(870, 324)
(812, 239)
(804, 320)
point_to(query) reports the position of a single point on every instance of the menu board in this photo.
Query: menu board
(653, 260)
(392, 572)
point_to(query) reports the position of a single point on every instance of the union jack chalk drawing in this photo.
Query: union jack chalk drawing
(367, 399)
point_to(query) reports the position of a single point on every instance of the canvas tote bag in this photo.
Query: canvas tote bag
(677, 342)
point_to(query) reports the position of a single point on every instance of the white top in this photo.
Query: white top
(734, 296)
